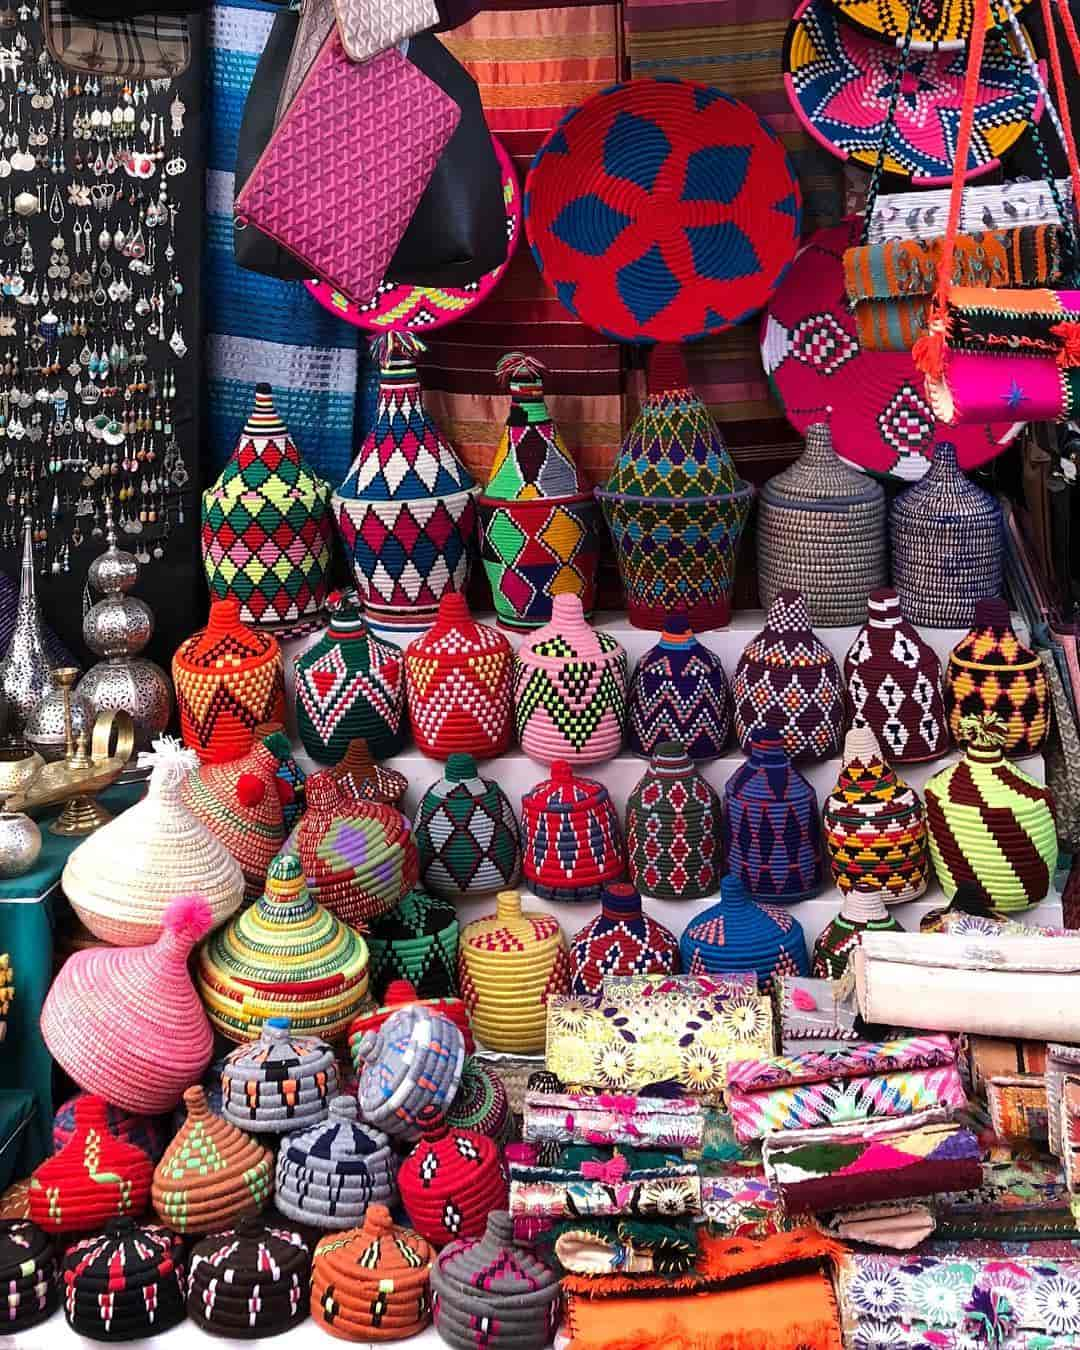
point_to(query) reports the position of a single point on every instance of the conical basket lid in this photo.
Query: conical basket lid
(531, 459)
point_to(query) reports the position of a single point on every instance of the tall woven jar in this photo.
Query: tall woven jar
(788, 681)
(875, 829)
(991, 824)
(863, 911)
(570, 685)
(737, 934)
(540, 531)
(459, 677)
(228, 679)
(406, 510)
(893, 682)
(675, 505)
(266, 524)
(571, 837)
(947, 539)
(350, 684)
(510, 963)
(621, 940)
(673, 840)
(679, 692)
(466, 834)
(992, 671)
(821, 530)
(772, 830)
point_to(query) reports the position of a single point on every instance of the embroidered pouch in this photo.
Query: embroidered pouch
(738, 1200)
(731, 982)
(1018, 1109)
(586, 1118)
(869, 1080)
(625, 1183)
(985, 206)
(625, 1247)
(811, 1014)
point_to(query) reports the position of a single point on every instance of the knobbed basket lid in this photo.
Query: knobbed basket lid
(944, 494)
(672, 786)
(565, 793)
(466, 833)
(992, 643)
(414, 1059)
(820, 480)
(737, 933)
(266, 466)
(341, 1144)
(868, 789)
(377, 1256)
(570, 639)
(512, 931)
(531, 460)
(455, 639)
(493, 1271)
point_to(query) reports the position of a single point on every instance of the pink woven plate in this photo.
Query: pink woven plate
(406, 308)
(880, 418)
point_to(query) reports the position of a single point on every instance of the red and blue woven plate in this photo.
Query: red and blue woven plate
(662, 211)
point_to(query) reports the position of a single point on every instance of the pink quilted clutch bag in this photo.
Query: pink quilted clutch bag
(343, 172)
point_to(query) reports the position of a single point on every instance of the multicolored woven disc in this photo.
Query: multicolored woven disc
(662, 210)
(875, 402)
(401, 307)
(943, 25)
(840, 83)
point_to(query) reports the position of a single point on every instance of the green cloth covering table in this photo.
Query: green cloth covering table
(29, 908)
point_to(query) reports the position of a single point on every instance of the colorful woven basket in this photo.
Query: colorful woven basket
(451, 1181)
(28, 1270)
(863, 911)
(406, 511)
(736, 934)
(621, 940)
(893, 681)
(939, 586)
(821, 530)
(481, 1103)
(281, 1082)
(510, 963)
(991, 824)
(675, 505)
(570, 689)
(991, 671)
(540, 532)
(459, 676)
(788, 681)
(350, 684)
(416, 941)
(662, 210)
(772, 830)
(289, 774)
(286, 956)
(228, 679)
(362, 780)
(150, 1133)
(875, 830)
(401, 994)
(266, 524)
(253, 1283)
(412, 1061)
(943, 27)
(571, 838)
(679, 692)
(673, 842)
(466, 834)
(328, 1174)
(124, 1284)
(359, 857)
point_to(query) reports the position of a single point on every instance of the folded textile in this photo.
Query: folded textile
(603, 1118)
(869, 1080)
(812, 1015)
(731, 982)
(628, 1183)
(1011, 1183)
(898, 1226)
(625, 1246)
(869, 1162)
(738, 1201)
(1018, 1108)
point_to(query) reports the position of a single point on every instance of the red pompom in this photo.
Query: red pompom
(250, 790)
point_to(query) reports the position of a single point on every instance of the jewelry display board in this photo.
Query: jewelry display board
(100, 345)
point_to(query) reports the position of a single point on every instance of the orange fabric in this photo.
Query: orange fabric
(1015, 301)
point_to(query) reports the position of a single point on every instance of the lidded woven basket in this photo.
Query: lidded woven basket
(467, 835)
(571, 837)
(281, 1082)
(673, 838)
(621, 940)
(992, 671)
(679, 692)
(738, 934)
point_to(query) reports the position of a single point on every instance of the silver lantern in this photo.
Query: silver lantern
(25, 673)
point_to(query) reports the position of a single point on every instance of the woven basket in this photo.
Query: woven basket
(679, 692)
(329, 1173)
(416, 941)
(821, 530)
(121, 878)
(571, 838)
(621, 940)
(466, 834)
(673, 841)
(362, 780)
(736, 935)
(938, 582)
(863, 911)
(282, 1082)
(991, 671)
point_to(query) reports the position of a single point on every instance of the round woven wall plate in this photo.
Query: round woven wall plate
(661, 211)
(840, 81)
(418, 309)
(880, 419)
(942, 25)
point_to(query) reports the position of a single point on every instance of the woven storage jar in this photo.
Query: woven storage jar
(540, 531)
(510, 963)
(893, 682)
(570, 689)
(252, 1280)
(401, 994)
(372, 1283)
(124, 1284)
(788, 681)
(349, 684)
(738, 934)
(674, 847)
(362, 780)
(991, 671)
(451, 1181)
(875, 829)
(212, 1174)
(126, 1022)
(467, 834)
(150, 1133)
(571, 837)
(282, 1082)
(266, 524)
(406, 510)
(772, 829)
(991, 824)
(328, 1174)
(518, 1307)
(290, 776)
(459, 677)
(28, 1270)
(679, 692)
(285, 956)
(415, 1059)
(821, 530)
(621, 940)
(359, 857)
(863, 911)
(482, 1103)
(675, 505)
(947, 541)
(228, 679)
(416, 941)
